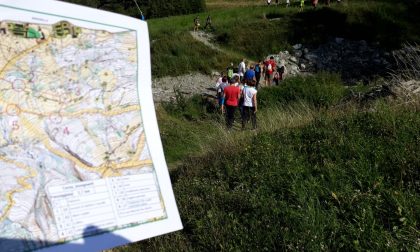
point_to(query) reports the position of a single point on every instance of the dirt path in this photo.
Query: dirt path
(188, 84)
(206, 39)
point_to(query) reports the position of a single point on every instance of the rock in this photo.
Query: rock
(339, 40)
(355, 60)
(293, 59)
(311, 57)
(294, 69)
(297, 46)
(363, 42)
(284, 55)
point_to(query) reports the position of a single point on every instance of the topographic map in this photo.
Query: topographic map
(74, 158)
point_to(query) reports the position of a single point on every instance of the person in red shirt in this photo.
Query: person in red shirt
(269, 67)
(232, 94)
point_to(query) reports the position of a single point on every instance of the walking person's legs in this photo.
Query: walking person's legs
(230, 116)
(245, 116)
(257, 78)
(253, 118)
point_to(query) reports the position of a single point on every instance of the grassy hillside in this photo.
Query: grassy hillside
(321, 173)
(324, 172)
(256, 31)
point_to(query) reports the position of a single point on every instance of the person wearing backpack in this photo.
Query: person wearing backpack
(241, 69)
(220, 93)
(249, 94)
(257, 70)
(230, 71)
(196, 23)
(208, 23)
(249, 74)
(270, 65)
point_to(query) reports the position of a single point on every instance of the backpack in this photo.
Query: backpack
(220, 90)
(257, 68)
(230, 72)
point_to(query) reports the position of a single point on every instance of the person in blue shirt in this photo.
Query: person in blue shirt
(257, 70)
(249, 74)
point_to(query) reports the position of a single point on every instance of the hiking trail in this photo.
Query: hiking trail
(206, 39)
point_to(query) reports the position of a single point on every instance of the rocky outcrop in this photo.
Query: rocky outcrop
(355, 60)
(408, 90)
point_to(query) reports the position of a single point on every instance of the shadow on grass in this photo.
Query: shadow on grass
(95, 239)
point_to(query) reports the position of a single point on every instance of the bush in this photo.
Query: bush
(320, 91)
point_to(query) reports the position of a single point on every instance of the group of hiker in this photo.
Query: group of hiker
(208, 23)
(238, 89)
(314, 3)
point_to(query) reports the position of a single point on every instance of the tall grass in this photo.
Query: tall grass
(320, 91)
(338, 183)
(319, 178)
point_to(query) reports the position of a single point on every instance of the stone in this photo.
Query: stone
(294, 68)
(355, 60)
(293, 59)
(311, 57)
(297, 46)
(339, 40)
(363, 43)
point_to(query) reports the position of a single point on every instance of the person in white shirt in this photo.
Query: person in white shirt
(249, 94)
(241, 69)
